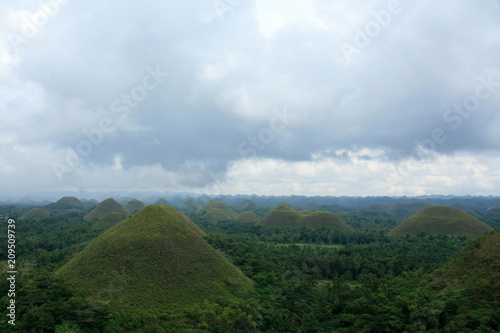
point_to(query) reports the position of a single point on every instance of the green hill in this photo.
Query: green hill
(162, 201)
(495, 212)
(406, 209)
(305, 212)
(191, 225)
(247, 217)
(35, 214)
(210, 204)
(247, 205)
(281, 216)
(65, 203)
(190, 205)
(476, 267)
(322, 219)
(152, 264)
(441, 220)
(104, 208)
(216, 215)
(110, 220)
(134, 206)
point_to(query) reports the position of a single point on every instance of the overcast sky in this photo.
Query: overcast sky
(345, 97)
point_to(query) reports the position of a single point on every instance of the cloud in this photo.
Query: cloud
(228, 73)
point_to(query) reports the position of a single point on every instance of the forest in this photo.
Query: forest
(304, 279)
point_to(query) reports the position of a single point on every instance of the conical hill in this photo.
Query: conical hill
(322, 219)
(210, 204)
(441, 220)
(134, 206)
(65, 203)
(247, 217)
(109, 220)
(191, 225)
(154, 264)
(281, 216)
(104, 208)
(35, 214)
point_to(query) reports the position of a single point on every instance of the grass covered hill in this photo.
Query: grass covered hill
(247, 205)
(104, 208)
(153, 264)
(210, 204)
(476, 267)
(281, 216)
(322, 219)
(247, 217)
(162, 201)
(35, 214)
(441, 220)
(64, 204)
(191, 225)
(134, 206)
(216, 215)
(110, 220)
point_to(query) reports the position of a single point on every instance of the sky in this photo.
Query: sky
(268, 97)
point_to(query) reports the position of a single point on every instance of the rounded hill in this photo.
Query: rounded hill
(281, 216)
(441, 220)
(210, 204)
(65, 203)
(35, 214)
(153, 264)
(322, 219)
(134, 206)
(216, 215)
(104, 208)
(247, 217)
(109, 220)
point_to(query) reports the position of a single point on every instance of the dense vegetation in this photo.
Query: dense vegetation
(305, 280)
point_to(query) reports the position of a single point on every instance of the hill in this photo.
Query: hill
(406, 209)
(281, 216)
(495, 212)
(161, 201)
(247, 205)
(210, 204)
(247, 217)
(134, 206)
(190, 205)
(35, 214)
(322, 219)
(216, 215)
(476, 267)
(152, 264)
(65, 203)
(191, 225)
(109, 220)
(441, 220)
(104, 208)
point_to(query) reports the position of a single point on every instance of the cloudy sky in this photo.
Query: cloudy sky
(318, 97)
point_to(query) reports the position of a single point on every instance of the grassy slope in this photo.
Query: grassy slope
(35, 214)
(210, 204)
(64, 204)
(441, 220)
(153, 263)
(323, 219)
(109, 220)
(193, 226)
(216, 215)
(281, 216)
(104, 208)
(134, 206)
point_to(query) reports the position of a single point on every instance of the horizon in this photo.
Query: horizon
(390, 98)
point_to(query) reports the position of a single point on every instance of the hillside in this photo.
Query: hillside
(191, 225)
(247, 205)
(104, 208)
(110, 220)
(216, 215)
(322, 220)
(476, 267)
(134, 206)
(441, 220)
(153, 264)
(35, 214)
(281, 216)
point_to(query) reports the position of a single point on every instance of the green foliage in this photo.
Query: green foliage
(216, 215)
(35, 214)
(281, 216)
(441, 220)
(322, 220)
(247, 217)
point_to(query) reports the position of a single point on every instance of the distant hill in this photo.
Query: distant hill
(441, 220)
(247, 217)
(191, 225)
(153, 264)
(190, 205)
(305, 212)
(380, 209)
(495, 212)
(35, 214)
(281, 216)
(134, 206)
(104, 208)
(210, 204)
(216, 215)
(476, 267)
(322, 219)
(247, 205)
(161, 201)
(64, 204)
(110, 220)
